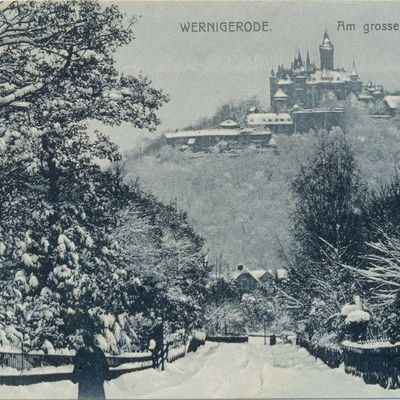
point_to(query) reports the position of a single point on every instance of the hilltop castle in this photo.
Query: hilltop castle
(303, 84)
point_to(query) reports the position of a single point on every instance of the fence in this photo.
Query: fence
(27, 361)
(374, 364)
(330, 356)
(227, 339)
(379, 365)
(118, 364)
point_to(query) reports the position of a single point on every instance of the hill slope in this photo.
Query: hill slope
(242, 205)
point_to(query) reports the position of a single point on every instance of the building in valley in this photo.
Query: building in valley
(249, 280)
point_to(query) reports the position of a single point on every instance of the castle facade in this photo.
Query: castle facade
(303, 85)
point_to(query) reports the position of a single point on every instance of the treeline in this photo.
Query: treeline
(233, 310)
(236, 111)
(344, 264)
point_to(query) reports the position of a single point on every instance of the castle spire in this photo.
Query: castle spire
(354, 70)
(326, 52)
(354, 73)
(299, 59)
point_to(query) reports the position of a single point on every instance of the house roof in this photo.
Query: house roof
(269, 119)
(281, 274)
(392, 101)
(256, 274)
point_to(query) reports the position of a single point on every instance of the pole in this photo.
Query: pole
(265, 334)
(22, 352)
(162, 345)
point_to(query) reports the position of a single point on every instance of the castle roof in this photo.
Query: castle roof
(365, 96)
(280, 94)
(334, 76)
(269, 119)
(284, 82)
(326, 41)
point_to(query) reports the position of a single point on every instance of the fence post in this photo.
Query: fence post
(22, 353)
(265, 334)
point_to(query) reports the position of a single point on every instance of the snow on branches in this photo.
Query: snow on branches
(57, 206)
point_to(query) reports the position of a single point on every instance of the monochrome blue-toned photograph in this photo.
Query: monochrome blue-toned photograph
(199, 199)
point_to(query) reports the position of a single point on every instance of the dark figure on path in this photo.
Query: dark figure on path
(90, 370)
(272, 339)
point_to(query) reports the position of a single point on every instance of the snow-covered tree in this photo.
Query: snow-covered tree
(258, 309)
(57, 205)
(382, 275)
(328, 231)
(166, 275)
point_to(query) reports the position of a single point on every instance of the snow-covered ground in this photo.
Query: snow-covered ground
(225, 371)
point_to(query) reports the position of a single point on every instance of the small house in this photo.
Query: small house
(392, 104)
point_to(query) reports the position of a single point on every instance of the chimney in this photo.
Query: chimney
(240, 267)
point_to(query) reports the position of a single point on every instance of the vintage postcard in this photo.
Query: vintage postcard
(199, 199)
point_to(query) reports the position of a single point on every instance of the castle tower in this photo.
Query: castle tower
(326, 52)
(308, 60)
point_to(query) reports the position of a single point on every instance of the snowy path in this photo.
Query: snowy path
(226, 371)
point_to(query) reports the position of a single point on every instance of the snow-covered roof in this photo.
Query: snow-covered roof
(269, 119)
(322, 110)
(334, 76)
(281, 274)
(216, 132)
(280, 94)
(357, 316)
(255, 273)
(365, 96)
(258, 273)
(392, 101)
(284, 82)
(229, 123)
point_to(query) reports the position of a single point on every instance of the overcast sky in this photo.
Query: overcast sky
(200, 71)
